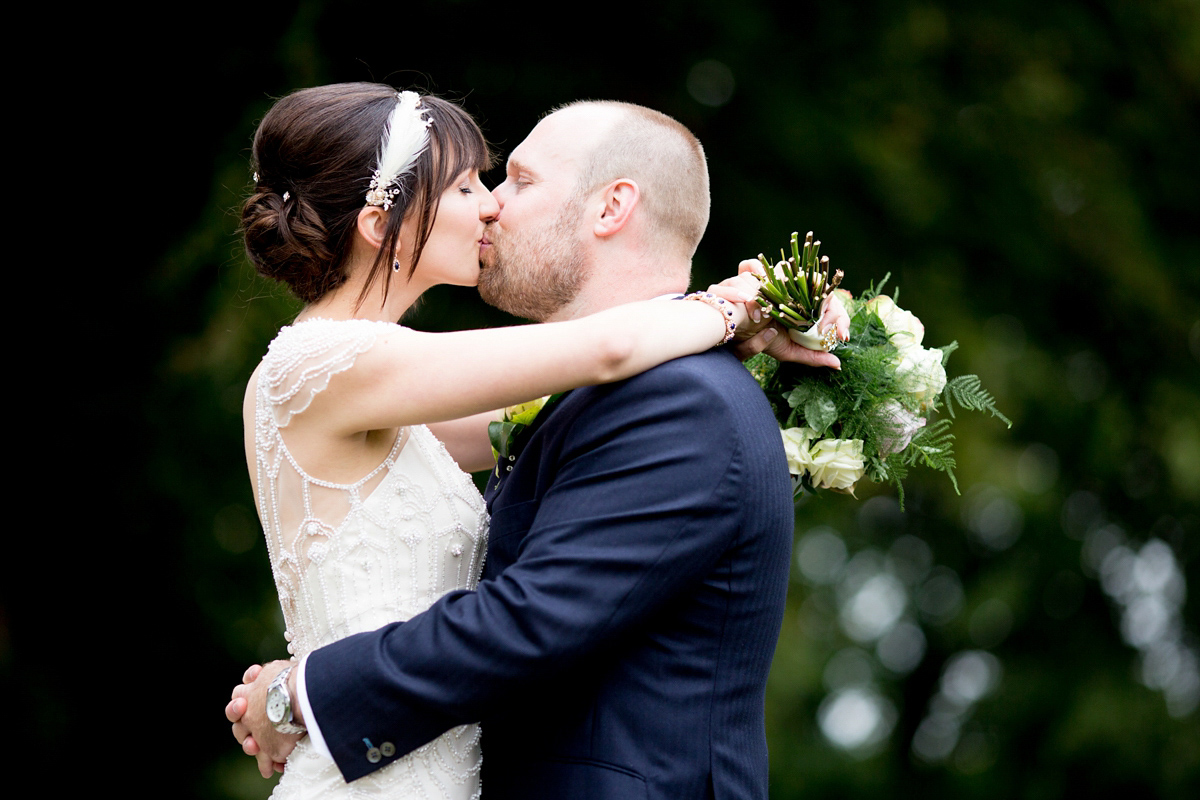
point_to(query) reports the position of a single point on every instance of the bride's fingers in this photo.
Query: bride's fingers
(235, 709)
(251, 748)
(740, 289)
(750, 265)
(744, 285)
(251, 673)
(835, 314)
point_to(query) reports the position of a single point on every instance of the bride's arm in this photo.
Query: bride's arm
(467, 440)
(410, 377)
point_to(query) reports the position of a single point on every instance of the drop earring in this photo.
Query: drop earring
(395, 264)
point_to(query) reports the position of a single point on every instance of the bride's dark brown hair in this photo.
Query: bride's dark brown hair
(319, 147)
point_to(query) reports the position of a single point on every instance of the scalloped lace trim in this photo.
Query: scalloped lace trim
(304, 356)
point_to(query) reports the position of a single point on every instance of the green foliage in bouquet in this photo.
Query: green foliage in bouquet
(875, 416)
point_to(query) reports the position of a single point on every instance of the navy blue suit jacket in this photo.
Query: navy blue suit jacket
(619, 643)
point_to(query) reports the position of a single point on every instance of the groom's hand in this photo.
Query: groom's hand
(247, 710)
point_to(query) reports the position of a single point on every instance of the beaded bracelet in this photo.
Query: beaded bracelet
(721, 306)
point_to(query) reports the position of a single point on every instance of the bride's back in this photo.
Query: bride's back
(351, 551)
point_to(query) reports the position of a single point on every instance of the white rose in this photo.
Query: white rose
(921, 374)
(906, 329)
(795, 447)
(836, 463)
(904, 426)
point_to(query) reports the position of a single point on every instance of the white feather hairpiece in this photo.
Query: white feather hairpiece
(404, 139)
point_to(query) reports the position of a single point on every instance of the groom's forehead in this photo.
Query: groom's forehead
(542, 151)
(560, 141)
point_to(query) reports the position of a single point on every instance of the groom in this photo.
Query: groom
(619, 642)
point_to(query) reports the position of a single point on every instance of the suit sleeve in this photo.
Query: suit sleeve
(645, 500)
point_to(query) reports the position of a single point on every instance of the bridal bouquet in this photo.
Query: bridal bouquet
(876, 416)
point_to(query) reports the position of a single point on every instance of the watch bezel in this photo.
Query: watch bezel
(279, 697)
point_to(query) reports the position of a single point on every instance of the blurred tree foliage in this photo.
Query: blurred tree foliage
(1027, 173)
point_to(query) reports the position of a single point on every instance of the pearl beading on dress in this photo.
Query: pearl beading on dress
(351, 557)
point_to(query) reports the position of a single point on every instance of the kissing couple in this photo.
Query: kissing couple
(610, 635)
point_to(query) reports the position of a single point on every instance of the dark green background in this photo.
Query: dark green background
(1027, 172)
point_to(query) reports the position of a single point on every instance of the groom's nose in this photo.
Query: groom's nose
(500, 194)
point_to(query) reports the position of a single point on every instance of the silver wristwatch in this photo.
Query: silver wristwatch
(279, 705)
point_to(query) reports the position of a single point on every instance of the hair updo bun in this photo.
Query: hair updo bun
(319, 147)
(286, 241)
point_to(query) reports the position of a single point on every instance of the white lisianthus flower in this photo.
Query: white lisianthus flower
(921, 374)
(904, 424)
(795, 447)
(905, 329)
(837, 463)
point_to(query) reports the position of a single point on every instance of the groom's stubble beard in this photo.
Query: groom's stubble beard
(534, 273)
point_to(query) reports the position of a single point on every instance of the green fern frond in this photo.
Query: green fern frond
(872, 291)
(933, 447)
(968, 392)
(947, 350)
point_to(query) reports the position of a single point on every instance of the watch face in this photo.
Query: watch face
(275, 706)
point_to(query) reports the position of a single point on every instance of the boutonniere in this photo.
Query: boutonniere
(506, 433)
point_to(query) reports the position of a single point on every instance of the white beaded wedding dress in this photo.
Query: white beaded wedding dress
(352, 557)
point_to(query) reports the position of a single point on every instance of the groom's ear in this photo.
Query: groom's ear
(619, 199)
(372, 225)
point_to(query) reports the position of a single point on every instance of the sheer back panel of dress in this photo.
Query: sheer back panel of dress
(351, 557)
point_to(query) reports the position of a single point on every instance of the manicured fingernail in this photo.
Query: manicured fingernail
(769, 335)
(754, 315)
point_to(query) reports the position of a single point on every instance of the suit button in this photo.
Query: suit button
(388, 749)
(374, 756)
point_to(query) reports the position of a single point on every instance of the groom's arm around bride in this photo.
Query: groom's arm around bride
(632, 599)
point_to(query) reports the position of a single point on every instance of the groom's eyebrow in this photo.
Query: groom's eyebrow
(516, 166)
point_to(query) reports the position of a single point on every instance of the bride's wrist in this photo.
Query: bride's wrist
(722, 307)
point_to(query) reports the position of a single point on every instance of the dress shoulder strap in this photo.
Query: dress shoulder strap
(304, 356)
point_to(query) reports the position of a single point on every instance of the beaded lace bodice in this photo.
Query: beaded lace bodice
(351, 557)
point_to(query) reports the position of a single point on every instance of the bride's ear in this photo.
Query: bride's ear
(372, 225)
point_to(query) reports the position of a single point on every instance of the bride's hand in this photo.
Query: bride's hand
(741, 291)
(247, 711)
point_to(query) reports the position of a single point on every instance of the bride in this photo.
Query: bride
(360, 432)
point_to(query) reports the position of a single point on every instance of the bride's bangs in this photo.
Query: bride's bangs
(459, 143)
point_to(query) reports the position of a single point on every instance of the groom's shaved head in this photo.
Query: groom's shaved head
(666, 161)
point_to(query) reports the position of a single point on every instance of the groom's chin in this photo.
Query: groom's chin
(491, 283)
(497, 289)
